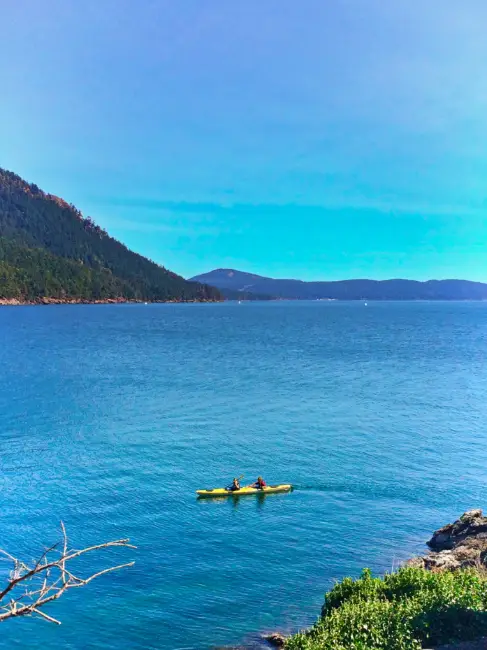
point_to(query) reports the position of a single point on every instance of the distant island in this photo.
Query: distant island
(50, 253)
(232, 283)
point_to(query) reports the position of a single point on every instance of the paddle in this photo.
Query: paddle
(238, 479)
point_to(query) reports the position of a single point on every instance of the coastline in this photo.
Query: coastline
(39, 302)
(16, 302)
(453, 548)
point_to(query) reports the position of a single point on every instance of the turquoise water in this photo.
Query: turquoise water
(113, 415)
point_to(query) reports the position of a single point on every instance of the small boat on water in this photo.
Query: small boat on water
(225, 492)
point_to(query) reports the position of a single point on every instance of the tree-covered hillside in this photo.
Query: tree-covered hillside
(49, 250)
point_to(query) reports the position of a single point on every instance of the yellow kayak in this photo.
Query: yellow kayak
(223, 492)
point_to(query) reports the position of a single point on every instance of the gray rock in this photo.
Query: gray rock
(470, 523)
(461, 544)
(275, 639)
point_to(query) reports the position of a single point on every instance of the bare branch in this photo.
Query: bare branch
(10, 557)
(44, 615)
(48, 586)
(84, 582)
(46, 553)
(65, 552)
(118, 542)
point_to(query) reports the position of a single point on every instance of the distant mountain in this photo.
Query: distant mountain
(232, 280)
(233, 294)
(50, 252)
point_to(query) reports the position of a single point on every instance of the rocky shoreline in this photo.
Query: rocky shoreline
(459, 545)
(455, 546)
(15, 302)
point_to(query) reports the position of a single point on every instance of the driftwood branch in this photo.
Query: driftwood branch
(33, 585)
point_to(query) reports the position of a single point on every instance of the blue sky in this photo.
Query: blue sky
(310, 139)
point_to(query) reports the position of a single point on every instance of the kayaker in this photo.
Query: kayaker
(259, 484)
(235, 485)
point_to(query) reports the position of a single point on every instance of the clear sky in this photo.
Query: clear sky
(317, 139)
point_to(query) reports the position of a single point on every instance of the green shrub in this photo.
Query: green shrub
(401, 611)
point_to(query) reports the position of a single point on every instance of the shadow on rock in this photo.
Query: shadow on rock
(458, 545)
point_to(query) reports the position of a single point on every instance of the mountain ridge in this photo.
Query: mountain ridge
(227, 279)
(50, 252)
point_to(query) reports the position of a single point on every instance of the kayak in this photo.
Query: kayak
(223, 492)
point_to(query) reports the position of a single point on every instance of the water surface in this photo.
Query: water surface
(113, 415)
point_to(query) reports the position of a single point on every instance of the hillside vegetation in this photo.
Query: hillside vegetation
(49, 250)
(408, 610)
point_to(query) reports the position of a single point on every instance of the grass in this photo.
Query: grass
(406, 610)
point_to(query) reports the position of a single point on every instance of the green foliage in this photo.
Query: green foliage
(47, 249)
(32, 273)
(406, 610)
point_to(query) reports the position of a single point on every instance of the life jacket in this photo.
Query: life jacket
(262, 483)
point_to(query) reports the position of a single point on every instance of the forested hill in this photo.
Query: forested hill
(49, 251)
(233, 280)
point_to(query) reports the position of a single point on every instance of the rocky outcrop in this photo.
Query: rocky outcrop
(259, 642)
(457, 545)
(276, 639)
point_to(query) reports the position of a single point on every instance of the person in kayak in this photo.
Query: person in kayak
(235, 485)
(259, 484)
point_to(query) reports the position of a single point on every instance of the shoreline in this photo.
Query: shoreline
(16, 302)
(454, 547)
(41, 302)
